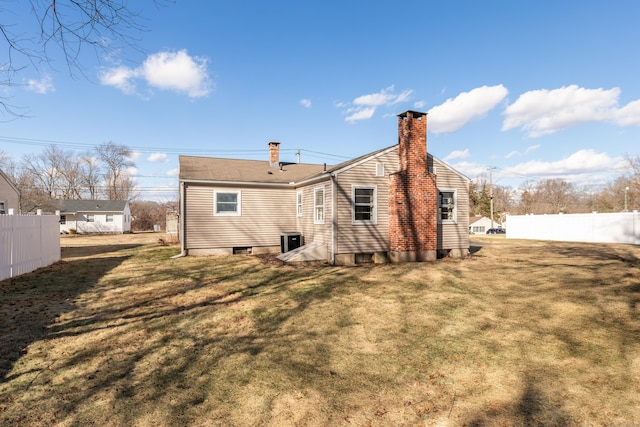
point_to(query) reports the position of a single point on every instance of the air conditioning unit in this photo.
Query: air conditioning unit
(290, 241)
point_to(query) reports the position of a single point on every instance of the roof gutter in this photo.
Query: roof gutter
(181, 234)
(334, 203)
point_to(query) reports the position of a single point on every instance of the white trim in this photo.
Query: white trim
(299, 204)
(316, 220)
(237, 212)
(455, 206)
(374, 211)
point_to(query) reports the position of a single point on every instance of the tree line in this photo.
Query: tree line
(557, 195)
(56, 173)
(102, 173)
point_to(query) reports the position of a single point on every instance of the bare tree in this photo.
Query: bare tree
(528, 198)
(65, 27)
(91, 173)
(4, 161)
(44, 170)
(115, 159)
(71, 178)
(557, 193)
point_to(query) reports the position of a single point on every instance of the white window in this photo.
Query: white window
(299, 203)
(379, 169)
(318, 205)
(109, 218)
(63, 219)
(227, 203)
(447, 212)
(91, 218)
(364, 204)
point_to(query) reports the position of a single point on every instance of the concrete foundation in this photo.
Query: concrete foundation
(412, 256)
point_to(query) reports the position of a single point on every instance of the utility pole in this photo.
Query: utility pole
(298, 155)
(491, 168)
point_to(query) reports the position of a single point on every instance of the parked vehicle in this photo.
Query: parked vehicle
(496, 231)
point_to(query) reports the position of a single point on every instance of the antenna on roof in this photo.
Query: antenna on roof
(298, 155)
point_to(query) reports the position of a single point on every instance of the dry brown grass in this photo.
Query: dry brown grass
(521, 333)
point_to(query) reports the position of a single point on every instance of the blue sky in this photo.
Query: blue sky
(537, 90)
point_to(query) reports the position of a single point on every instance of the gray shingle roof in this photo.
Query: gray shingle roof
(242, 171)
(72, 206)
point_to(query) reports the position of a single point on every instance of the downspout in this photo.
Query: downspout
(181, 234)
(333, 218)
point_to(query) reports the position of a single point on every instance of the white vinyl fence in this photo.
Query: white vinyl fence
(28, 242)
(619, 227)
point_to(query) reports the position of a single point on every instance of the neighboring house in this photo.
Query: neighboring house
(394, 204)
(9, 195)
(94, 216)
(480, 224)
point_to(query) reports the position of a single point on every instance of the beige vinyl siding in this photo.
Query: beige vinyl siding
(266, 213)
(364, 238)
(9, 196)
(453, 236)
(316, 233)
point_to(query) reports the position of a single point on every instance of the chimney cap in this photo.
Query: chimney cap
(413, 113)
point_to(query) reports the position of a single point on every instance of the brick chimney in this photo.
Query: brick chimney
(274, 153)
(413, 203)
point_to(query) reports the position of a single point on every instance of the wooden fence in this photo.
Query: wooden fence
(28, 242)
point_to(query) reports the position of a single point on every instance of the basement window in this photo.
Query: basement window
(364, 258)
(242, 250)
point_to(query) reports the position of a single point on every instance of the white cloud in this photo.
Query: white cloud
(581, 162)
(119, 77)
(174, 71)
(158, 158)
(458, 154)
(531, 148)
(173, 172)
(365, 106)
(512, 154)
(628, 115)
(470, 169)
(306, 103)
(360, 114)
(542, 112)
(134, 155)
(454, 113)
(42, 86)
(419, 105)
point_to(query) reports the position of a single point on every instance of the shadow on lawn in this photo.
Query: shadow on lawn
(189, 360)
(533, 408)
(29, 303)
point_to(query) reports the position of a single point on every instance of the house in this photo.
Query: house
(9, 195)
(94, 216)
(395, 204)
(480, 224)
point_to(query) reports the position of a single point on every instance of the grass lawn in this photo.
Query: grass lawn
(520, 333)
